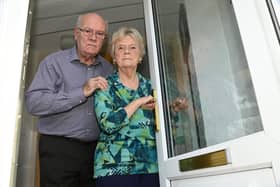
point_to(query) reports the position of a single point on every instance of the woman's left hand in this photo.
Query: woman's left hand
(149, 103)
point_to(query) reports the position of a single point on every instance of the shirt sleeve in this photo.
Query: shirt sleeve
(45, 97)
(110, 118)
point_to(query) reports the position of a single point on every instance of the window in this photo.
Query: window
(203, 61)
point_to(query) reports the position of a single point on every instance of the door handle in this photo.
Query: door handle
(157, 125)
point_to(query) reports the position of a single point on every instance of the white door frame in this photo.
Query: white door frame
(13, 24)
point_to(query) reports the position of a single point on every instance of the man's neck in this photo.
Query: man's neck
(89, 60)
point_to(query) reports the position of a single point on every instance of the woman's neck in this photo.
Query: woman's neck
(129, 79)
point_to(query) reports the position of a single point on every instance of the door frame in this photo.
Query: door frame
(13, 46)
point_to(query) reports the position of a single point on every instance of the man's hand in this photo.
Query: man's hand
(94, 83)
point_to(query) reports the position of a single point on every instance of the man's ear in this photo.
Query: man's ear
(76, 32)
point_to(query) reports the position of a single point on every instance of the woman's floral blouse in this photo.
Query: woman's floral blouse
(126, 145)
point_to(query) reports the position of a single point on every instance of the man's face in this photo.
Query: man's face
(90, 35)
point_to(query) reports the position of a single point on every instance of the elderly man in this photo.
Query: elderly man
(61, 96)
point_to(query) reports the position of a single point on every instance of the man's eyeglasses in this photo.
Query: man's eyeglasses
(90, 32)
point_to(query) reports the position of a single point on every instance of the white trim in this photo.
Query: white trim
(13, 18)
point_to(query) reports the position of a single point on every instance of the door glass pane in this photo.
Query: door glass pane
(202, 61)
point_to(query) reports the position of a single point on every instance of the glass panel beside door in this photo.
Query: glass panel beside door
(206, 83)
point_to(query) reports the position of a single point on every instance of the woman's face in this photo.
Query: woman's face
(127, 53)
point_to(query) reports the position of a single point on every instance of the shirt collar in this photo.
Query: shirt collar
(75, 58)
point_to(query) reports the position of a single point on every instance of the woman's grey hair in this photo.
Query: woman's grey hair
(127, 31)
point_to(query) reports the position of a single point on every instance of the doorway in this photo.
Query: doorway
(52, 30)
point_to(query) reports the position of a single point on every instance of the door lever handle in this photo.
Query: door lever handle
(157, 125)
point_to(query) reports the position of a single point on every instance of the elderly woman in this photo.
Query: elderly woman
(126, 151)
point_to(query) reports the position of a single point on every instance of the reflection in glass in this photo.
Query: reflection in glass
(206, 81)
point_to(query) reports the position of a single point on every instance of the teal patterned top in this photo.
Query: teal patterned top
(125, 145)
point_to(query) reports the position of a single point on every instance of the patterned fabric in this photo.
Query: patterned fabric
(125, 145)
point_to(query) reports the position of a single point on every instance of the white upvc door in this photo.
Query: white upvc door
(13, 24)
(223, 57)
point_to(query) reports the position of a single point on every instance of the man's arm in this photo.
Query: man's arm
(45, 96)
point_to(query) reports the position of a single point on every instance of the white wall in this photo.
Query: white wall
(13, 17)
